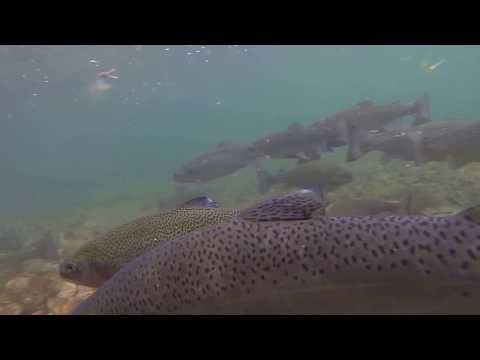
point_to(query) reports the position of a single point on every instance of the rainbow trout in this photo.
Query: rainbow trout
(98, 260)
(279, 258)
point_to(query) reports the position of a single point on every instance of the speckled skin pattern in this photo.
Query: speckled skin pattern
(279, 260)
(98, 260)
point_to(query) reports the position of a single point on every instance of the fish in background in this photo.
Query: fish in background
(459, 146)
(100, 259)
(182, 194)
(298, 142)
(314, 175)
(226, 159)
(411, 144)
(350, 206)
(369, 116)
(284, 256)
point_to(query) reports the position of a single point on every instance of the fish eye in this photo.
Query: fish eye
(68, 268)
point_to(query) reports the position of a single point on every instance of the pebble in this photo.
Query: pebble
(11, 309)
(18, 284)
(38, 266)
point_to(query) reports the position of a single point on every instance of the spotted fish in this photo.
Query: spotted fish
(314, 175)
(370, 116)
(298, 142)
(284, 256)
(226, 159)
(98, 260)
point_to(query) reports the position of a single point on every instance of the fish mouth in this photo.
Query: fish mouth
(79, 273)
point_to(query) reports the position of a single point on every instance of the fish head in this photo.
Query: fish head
(193, 171)
(85, 272)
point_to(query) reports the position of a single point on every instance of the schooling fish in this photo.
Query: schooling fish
(407, 144)
(224, 160)
(314, 175)
(369, 116)
(459, 146)
(298, 142)
(99, 259)
(278, 258)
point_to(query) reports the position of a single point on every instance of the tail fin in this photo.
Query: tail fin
(355, 139)
(264, 181)
(422, 104)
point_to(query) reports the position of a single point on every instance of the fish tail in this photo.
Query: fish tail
(356, 140)
(422, 106)
(264, 181)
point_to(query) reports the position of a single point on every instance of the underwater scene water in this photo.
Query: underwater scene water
(239, 179)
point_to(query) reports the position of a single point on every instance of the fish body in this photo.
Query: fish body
(312, 175)
(224, 160)
(407, 144)
(370, 116)
(459, 146)
(298, 142)
(98, 260)
(277, 258)
(348, 206)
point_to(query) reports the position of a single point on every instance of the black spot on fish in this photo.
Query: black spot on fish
(471, 254)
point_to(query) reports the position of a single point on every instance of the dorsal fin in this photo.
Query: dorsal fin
(200, 202)
(299, 205)
(471, 214)
(365, 103)
(295, 126)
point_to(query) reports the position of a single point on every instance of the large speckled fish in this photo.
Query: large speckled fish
(99, 259)
(275, 258)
